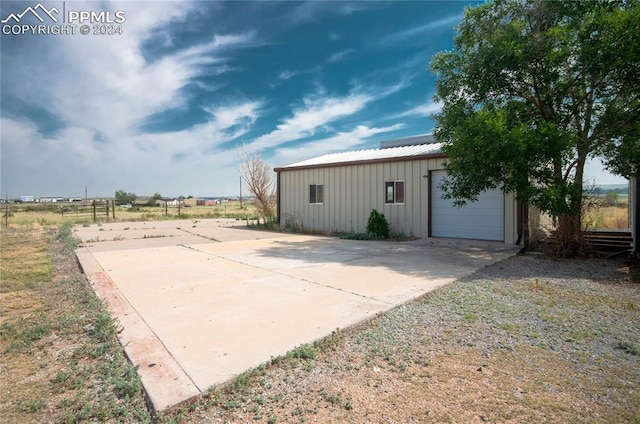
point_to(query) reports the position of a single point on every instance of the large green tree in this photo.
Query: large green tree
(123, 198)
(153, 200)
(531, 90)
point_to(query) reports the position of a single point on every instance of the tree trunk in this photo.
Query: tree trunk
(569, 235)
(635, 220)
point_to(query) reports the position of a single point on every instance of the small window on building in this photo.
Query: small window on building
(316, 193)
(394, 192)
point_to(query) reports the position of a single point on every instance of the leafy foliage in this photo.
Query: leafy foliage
(378, 226)
(531, 91)
(65, 233)
(123, 198)
(153, 199)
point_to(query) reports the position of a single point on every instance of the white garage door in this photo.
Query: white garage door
(482, 220)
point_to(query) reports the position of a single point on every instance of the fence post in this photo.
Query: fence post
(113, 209)
(94, 210)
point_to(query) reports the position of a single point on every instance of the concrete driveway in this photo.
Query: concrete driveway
(203, 301)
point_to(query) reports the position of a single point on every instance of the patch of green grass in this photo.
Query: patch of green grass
(128, 384)
(231, 404)
(357, 236)
(370, 236)
(65, 233)
(510, 327)
(33, 406)
(332, 398)
(470, 317)
(304, 351)
(243, 380)
(629, 347)
(36, 331)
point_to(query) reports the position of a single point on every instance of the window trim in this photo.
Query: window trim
(315, 187)
(394, 186)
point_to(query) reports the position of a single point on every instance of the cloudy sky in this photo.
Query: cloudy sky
(168, 105)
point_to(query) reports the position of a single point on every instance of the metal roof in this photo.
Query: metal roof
(407, 141)
(356, 156)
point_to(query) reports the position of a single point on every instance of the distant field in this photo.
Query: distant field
(606, 217)
(45, 214)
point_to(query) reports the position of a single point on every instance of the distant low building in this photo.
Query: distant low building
(209, 202)
(27, 199)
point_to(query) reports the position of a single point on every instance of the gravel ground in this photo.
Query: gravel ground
(530, 339)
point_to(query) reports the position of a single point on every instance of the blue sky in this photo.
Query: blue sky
(168, 105)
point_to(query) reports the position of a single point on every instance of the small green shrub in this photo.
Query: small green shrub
(65, 233)
(629, 347)
(128, 384)
(304, 351)
(378, 226)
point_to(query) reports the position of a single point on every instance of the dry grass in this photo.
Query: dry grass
(606, 217)
(44, 215)
(60, 359)
(26, 259)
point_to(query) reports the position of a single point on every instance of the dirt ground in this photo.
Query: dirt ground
(529, 339)
(526, 340)
(60, 359)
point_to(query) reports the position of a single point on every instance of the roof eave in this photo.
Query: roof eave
(363, 162)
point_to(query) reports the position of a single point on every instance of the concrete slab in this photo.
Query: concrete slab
(225, 299)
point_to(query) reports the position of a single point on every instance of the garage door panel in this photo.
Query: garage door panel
(482, 220)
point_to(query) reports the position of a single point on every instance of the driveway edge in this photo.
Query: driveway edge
(156, 366)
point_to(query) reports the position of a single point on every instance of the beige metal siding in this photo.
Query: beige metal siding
(351, 192)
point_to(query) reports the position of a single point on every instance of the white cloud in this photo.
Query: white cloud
(313, 9)
(226, 124)
(421, 110)
(340, 142)
(316, 113)
(228, 116)
(421, 30)
(106, 87)
(287, 75)
(143, 163)
(338, 56)
(107, 84)
(100, 92)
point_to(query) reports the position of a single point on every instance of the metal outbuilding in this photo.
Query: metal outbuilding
(337, 192)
